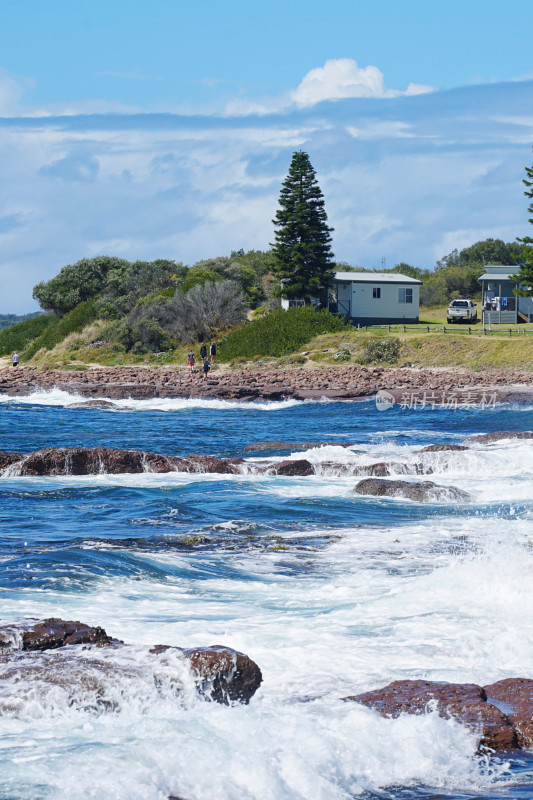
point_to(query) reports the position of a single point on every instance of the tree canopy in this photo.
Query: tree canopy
(303, 260)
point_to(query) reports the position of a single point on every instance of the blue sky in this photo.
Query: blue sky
(164, 128)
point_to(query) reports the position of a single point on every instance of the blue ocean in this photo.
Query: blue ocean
(332, 593)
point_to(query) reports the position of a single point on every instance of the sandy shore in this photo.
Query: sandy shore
(409, 386)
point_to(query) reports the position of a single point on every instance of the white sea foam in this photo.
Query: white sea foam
(59, 397)
(379, 605)
(305, 752)
(442, 597)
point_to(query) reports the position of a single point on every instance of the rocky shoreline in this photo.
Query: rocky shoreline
(408, 385)
(46, 661)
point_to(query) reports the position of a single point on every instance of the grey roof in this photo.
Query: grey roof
(375, 277)
(497, 276)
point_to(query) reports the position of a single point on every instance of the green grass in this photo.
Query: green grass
(278, 334)
(58, 329)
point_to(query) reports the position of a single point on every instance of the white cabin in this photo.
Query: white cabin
(371, 298)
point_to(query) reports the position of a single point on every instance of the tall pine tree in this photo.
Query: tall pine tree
(525, 273)
(303, 259)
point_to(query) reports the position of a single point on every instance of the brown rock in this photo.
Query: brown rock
(97, 672)
(251, 448)
(6, 459)
(437, 448)
(422, 491)
(222, 674)
(382, 469)
(92, 404)
(49, 634)
(496, 436)
(106, 460)
(514, 697)
(467, 703)
(298, 467)
(200, 463)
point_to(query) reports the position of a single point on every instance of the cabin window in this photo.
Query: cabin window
(405, 295)
(376, 292)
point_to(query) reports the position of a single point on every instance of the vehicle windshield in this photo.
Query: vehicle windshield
(459, 303)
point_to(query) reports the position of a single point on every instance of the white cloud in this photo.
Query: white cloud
(338, 79)
(343, 77)
(408, 181)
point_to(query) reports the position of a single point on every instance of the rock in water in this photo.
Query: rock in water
(514, 696)
(92, 404)
(441, 448)
(6, 459)
(49, 634)
(496, 436)
(421, 491)
(252, 448)
(297, 467)
(383, 469)
(467, 703)
(90, 670)
(221, 674)
(54, 461)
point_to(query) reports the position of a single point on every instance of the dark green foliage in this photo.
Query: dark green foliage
(199, 276)
(525, 273)
(121, 331)
(152, 336)
(245, 269)
(59, 328)
(18, 337)
(457, 274)
(76, 283)
(279, 333)
(118, 284)
(489, 251)
(129, 282)
(377, 351)
(413, 272)
(303, 259)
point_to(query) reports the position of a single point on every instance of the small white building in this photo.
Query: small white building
(371, 298)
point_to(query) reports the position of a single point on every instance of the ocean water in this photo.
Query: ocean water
(331, 593)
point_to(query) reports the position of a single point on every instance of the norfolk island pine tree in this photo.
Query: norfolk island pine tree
(303, 260)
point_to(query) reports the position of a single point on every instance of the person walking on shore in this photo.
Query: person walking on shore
(15, 359)
(190, 358)
(203, 351)
(213, 352)
(206, 367)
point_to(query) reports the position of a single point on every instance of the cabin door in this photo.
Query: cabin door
(344, 299)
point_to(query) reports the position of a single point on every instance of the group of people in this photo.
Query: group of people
(206, 366)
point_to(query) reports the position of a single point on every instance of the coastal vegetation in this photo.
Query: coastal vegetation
(152, 312)
(112, 311)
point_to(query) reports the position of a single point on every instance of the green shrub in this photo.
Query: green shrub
(55, 332)
(279, 333)
(380, 350)
(18, 337)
